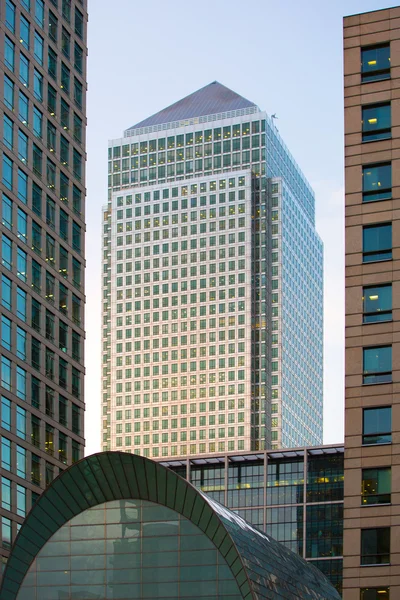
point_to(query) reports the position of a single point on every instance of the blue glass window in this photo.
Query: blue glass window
(39, 12)
(6, 373)
(5, 493)
(24, 32)
(10, 15)
(21, 501)
(21, 383)
(377, 242)
(376, 122)
(22, 186)
(21, 264)
(22, 225)
(21, 462)
(37, 123)
(22, 146)
(8, 93)
(38, 85)
(6, 454)
(21, 343)
(23, 108)
(24, 70)
(6, 332)
(6, 292)
(377, 303)
(6, 413)
(375, 63)
(6, 533)
(26, 4)
(7, 172)
(9, 53)
(21, 304)
(377, 182)
(8, 132)
(377, 364)
(6, 252)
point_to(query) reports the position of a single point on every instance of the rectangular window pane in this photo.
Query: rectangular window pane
(375, 546)
(377, 303)
(375, 63)
(377, 364)
(377, 242)
(376, 122)
(377, 182)
(377, 425)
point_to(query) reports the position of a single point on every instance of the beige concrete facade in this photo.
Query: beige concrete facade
(362, 31)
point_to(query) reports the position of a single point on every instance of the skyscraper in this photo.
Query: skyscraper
(212, 290)
(43, 76)
(371, 549)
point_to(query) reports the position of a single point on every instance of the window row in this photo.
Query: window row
(166, 247)
(176, 382)
(183, 450)
(213, 151)
(184, 313)
(223, 211)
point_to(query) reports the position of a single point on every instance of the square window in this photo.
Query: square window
(376, 486)
(377, 182)
(376, 122)
(377, 242)
(377, 304)
(375, 63)
(375, 546)
(377, 425)
(377, 364)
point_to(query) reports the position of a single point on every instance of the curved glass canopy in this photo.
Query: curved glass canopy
(119, 526)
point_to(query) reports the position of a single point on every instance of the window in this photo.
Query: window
(381, 593)
(375, 63)
(377, 425)
(376, 122)
(377, 242)
(377, 182)
(376, 486)
(377, 364)
(375, 546)
(377, 303)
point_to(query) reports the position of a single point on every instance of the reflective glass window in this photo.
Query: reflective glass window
(376, 486)
(375, 546)
(377, 303)
(377, 242)
(377, 425)
(377, 364)
(375, 63)
(376, 122)
(377, 182)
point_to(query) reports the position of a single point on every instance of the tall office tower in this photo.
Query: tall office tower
(43, 71)
(212, 295)
(372, 409)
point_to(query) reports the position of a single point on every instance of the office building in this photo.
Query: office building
(293, 495)
(130, 528)
(371, 561)
(43, 80)
(212, 285)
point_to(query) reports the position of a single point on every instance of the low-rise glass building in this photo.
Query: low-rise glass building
(295, 496)
(119, 526)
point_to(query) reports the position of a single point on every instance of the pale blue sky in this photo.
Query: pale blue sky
(284, 56)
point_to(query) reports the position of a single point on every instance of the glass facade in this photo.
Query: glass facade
(42, 249)
(295, 496)
(208, 220)
(130, 528)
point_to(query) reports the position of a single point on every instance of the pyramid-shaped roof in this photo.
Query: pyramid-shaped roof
(209, 100)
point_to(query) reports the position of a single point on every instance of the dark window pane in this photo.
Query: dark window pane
(375, 63)
(377, 242)
(377, 303)
(377, 425)
(377, 364)
(377, 182)
(376, 122)
(376, 486)
(375, 546)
